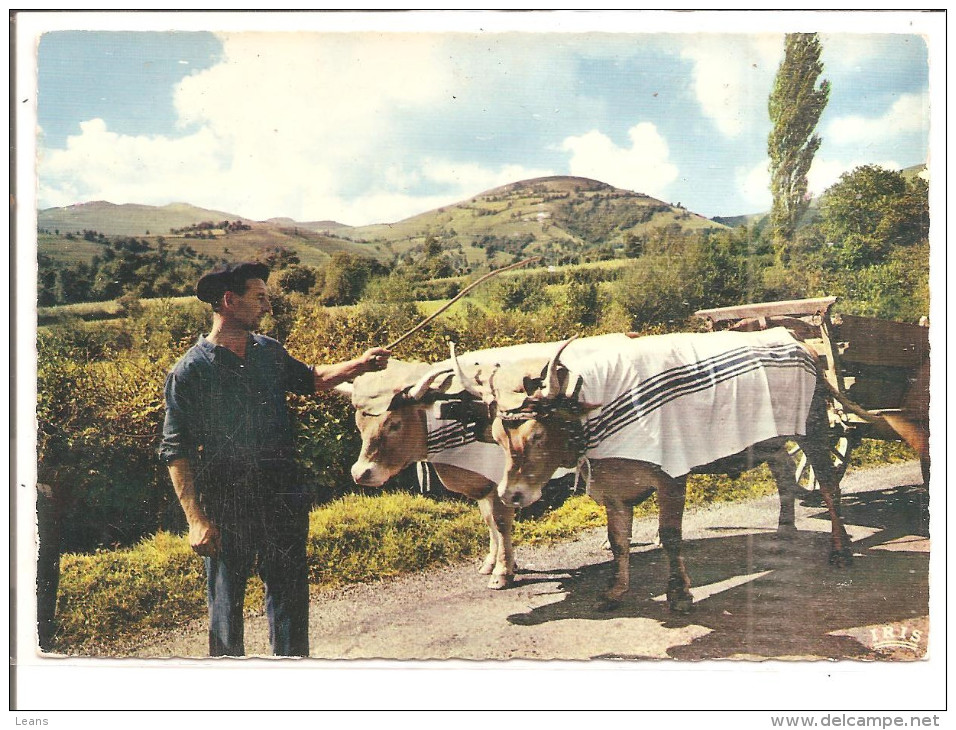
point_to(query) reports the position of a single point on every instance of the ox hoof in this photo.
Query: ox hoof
(787, 532)
(841, 558)
(487, 566)
(498, 582)
(682, 605)
(608, 605)
(680, 600)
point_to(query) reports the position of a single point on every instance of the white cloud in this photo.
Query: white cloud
(470, 178)
(312, 126)
(270, 131)
(99, 164)
(850, 52)
(754, 186)
(643, 167)
(733, 77)
(909, 113)
(393, 202)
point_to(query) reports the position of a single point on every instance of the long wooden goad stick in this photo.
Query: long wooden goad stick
(460, 294)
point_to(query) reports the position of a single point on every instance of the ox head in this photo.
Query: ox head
(537, 422)
(390, 412)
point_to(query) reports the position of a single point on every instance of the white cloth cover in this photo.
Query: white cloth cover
(685, 400)
(678, 401)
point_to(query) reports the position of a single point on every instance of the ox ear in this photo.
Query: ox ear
(574, 392)
(556, 372)
(344, 389)
(533, 385)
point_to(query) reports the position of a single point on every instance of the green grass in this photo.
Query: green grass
(113, 599)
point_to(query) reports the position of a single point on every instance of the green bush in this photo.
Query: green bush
(112, 598)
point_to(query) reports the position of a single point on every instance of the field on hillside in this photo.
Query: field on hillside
(547, 216)
(312, 248)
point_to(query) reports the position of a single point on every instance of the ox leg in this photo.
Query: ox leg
(671, 495)
(818, 454)
(485, 507)
(620, 518)
(782, 470)
(500, 562)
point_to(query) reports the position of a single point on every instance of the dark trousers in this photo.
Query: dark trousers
(271, 541)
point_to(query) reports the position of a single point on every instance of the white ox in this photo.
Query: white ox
(644, 418)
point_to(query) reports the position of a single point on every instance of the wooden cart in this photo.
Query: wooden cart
(880, 367)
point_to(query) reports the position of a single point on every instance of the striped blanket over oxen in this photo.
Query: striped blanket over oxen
(685, 400)
(678, 400)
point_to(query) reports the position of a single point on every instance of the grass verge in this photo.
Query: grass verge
(116, 598)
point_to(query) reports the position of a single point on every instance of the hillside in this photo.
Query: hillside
(560, 218)
(65, 234)
(551, 216)
(326, 227)
(126, 220)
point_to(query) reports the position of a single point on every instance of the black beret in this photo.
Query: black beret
(228, 277)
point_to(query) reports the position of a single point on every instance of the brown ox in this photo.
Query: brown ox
(392, 414)
(539, 424)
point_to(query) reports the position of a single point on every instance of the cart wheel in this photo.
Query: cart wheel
(840, 447)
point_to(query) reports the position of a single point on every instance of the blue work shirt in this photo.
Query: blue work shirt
(229, 417)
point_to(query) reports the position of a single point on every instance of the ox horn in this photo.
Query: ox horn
(550, 389)
(466, 382)
(419, 389)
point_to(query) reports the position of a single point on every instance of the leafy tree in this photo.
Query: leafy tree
(519, 293)
(73, 284)
(633, 245)
(432, 247)
(296, 278)
(435, 264)
(795, 106)
(345, 277)
(277, 257)
(870, 211)
(583, 303)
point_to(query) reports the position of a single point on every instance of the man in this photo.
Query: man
(228, 444)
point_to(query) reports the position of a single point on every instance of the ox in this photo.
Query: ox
(397, 417)
(556, 412)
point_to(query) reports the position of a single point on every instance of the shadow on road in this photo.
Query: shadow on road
(764, 596)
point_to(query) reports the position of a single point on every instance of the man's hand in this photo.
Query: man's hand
(375, 358)
(204, 538)
(328, 376)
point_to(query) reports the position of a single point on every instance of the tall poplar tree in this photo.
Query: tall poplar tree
(796, 104)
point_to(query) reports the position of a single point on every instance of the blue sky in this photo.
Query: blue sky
(365, 126)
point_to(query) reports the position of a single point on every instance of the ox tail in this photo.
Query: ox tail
(916, 436)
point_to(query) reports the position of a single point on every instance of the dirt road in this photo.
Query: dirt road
(757, 595)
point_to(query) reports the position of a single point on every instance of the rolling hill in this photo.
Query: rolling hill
(63, 232)
(555, 217)
(126, 220)
(550, 216)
